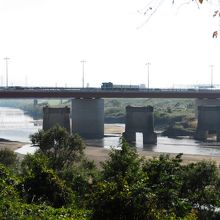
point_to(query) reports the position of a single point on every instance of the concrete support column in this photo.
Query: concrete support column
(201, 135)
(205, 102)
(218, 136)
(150, 138)
(140, 119)
(88, 117)
(35, 101)
(208, 121)
(130, 136)
(53, 116)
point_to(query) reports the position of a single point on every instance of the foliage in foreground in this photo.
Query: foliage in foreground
(126, 187)
(61, 148)
(160, 188)
(13, 210)
(40, 184)
(8, 157)
(129, 191)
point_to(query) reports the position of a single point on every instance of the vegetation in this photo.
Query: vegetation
(8, 158)
(126, 186)
(40, 184)
(167, 112)
(59, 146)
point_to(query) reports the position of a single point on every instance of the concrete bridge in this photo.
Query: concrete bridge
(88, 119)
(95, 93)
(88, 109)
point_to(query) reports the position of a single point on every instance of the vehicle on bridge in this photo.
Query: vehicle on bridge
(111, 86)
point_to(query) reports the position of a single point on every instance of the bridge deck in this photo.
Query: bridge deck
(9, 93)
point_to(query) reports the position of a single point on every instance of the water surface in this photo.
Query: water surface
(17, 126)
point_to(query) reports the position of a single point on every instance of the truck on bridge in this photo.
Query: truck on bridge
(111, 86)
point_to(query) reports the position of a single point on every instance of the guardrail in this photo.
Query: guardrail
(97, 89)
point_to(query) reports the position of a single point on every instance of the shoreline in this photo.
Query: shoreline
(11, 145)
(100, 154)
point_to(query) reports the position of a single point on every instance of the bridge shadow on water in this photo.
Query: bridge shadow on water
(113, 141)
(183, 145)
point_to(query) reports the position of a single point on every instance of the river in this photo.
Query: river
(17, 126)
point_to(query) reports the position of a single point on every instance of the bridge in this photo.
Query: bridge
(96, 93)
(88, 109)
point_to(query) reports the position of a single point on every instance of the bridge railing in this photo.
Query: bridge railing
(97, 89)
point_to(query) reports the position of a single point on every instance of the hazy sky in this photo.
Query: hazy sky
(47, 39)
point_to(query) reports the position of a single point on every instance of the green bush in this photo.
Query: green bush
(8, 157)
(41, 184)
(81, 178)
(62, 148)
(132, 189)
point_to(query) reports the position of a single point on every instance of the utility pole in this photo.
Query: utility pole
(83, 63)
(2, 80)
(148, 74)
(211, 66)
(6, 65)
(26, 81)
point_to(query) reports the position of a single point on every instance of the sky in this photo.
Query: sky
(46, 40)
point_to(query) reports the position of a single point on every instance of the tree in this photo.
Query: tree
(8, 157)
(113, 198)
(41, 184)
(201, 186)
(126, 190)
(9, 195)
(124, 162)
(164, 178)
(62, 148)
(12, 187)
(81, 178)
(151, 8)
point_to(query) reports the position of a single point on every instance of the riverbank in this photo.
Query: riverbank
(99, 154)
(11, 145)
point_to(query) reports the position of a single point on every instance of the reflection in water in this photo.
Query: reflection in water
(27, 149)
(16, 126)
(164, 144)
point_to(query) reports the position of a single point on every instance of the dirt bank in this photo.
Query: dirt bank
(12, 145)
(101, 154)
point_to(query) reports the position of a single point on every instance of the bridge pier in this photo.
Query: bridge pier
(35, 101)
(140, 119)
(53, 116)
(205, 102)
(218, 136)
(88, 117)
(208, 121)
